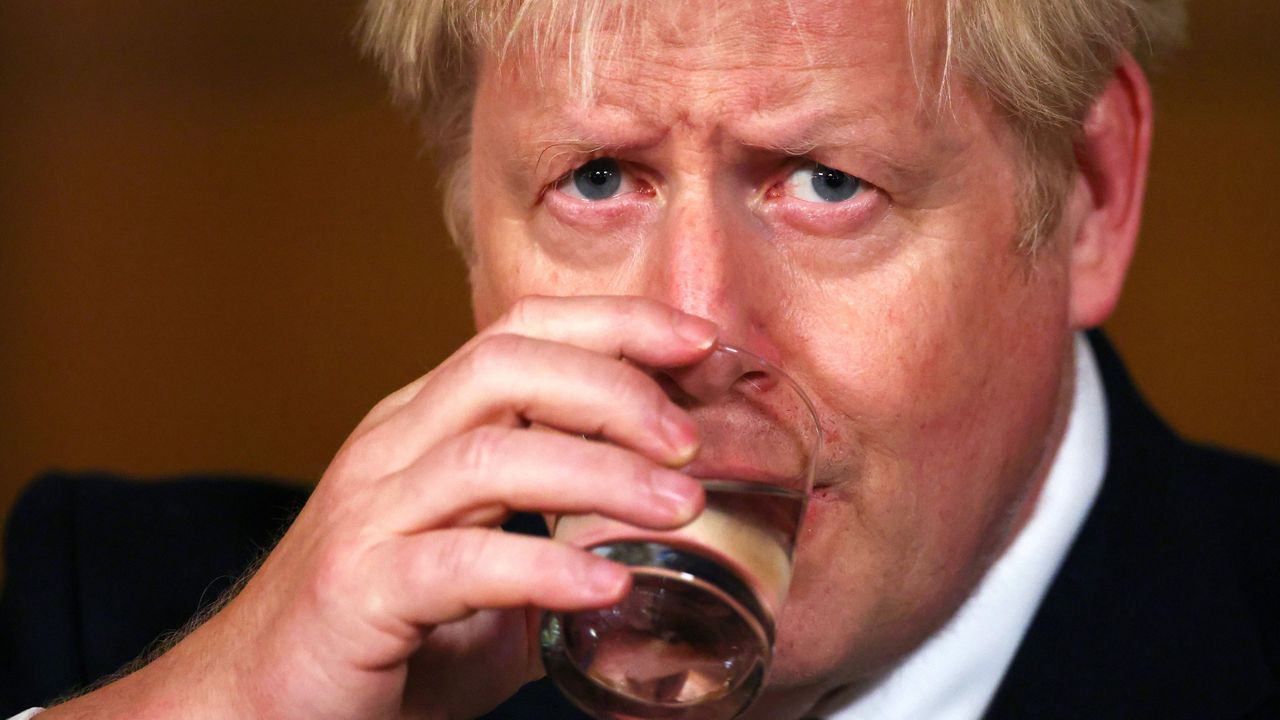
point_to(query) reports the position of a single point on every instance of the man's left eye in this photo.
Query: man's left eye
(815, 182)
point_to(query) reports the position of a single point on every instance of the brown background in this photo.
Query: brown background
(219, 246)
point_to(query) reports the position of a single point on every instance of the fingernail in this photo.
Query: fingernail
(696, 331)
(605, 577)
(681, 436)
(676, 492)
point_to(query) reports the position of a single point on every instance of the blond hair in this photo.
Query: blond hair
(1041, 62)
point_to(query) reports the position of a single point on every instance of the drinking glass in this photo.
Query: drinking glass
(694, 637)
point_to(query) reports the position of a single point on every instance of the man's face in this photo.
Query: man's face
(779, 173)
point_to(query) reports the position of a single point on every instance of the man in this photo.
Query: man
(913, 208)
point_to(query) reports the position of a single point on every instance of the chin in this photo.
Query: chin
(808, 653)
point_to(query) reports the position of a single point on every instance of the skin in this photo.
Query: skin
(937, 355)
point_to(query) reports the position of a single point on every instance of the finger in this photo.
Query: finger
(482, 476)
(445, 575)
(641, 329)
(510, 380)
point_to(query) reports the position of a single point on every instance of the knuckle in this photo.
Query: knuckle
(333, 575)
(625, 382)
(548, 556)
(459, 553)
(651, 311)
(494, 354)
(362, 458)
(634, 473)
(351, 460)
(634, 397)
(629, 312)
(478, 449)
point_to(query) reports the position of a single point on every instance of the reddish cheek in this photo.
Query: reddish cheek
(932, 366)
(822, 502)
(832, 437)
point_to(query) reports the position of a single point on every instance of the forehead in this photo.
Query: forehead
(795, 33)
(750, 29)
(702, 63)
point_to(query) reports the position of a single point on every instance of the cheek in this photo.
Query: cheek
(946, 335)
(944, 383)
(520, 253)
(506, 266)
(947, 380)
(494, 280)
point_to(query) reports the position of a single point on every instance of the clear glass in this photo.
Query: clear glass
(694, 638)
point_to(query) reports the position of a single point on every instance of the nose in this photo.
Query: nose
(707, 260)
(726, 370)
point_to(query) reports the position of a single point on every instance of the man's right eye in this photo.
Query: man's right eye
(599, 179)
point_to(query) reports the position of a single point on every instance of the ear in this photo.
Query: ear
(1112, 160)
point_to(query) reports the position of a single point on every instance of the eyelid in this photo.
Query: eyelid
(562, 159)
(566, 161)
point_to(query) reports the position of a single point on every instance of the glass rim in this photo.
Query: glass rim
(761, 364)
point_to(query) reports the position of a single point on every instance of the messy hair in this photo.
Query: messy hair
(1041, 62)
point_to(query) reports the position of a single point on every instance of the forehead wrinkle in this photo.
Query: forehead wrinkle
(750, 73)
(668, 96)
(684, 37)
(787, 115)
(756, 86)
(770, 31)
(680, 64)
(574, 129)
(810, 119)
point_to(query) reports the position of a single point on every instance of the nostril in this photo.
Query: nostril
(708, 383)
(758, 380)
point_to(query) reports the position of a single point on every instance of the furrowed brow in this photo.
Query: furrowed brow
(558, 140)
(897, 165)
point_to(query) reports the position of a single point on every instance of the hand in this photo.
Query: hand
(394, 594)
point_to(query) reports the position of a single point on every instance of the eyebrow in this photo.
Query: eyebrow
(796, 148)
(573, 148)
(766, 132)
(799, 143)
(864, 134)
(562, 136)
(799, 136)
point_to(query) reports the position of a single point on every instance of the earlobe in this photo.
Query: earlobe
(1106, 202)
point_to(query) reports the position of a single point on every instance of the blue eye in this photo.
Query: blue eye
(599, 179)
(815, 182)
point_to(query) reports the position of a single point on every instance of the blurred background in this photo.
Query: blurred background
(219, 244)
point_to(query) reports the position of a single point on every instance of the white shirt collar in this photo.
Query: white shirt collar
(955, 673)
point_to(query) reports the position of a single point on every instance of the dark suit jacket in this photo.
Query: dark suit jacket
(1167, 606)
